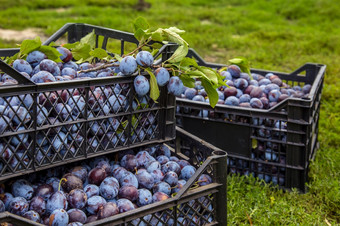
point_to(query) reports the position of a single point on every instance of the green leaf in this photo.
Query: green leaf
(157, 35)
(89, 39)
(156, 45)
(154, 90)
(29, 45)
(243, 64)
(179, 54)
(11, 59)
(210, 73)
(51, 53)
(176, 30)
(140, 35)
(211, 91)
(187, 61)
(118, 57)
(172, 36)
(140, 23)
(81, 51)
(187, 80)
(99, 53)
(71, 45)
(53, 44)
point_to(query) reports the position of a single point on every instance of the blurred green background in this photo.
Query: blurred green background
(276, 35)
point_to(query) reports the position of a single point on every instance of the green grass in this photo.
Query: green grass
(277, 35)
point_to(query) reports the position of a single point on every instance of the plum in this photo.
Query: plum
(35, 57)
(58, 217)
(32, 215)
(159, 196)
(128, 65)
(97, 175)
(234, 70)
(77, 215)
(108, 210)
(162, 76)
(66, 54)
(128, 192)
(22, 188)
(77, 198)
(109, 188)
(175, 86)
(18, 206)
(57, 201)
(22, 66)
(94, 203)
(124, 205)
(45, 191)
(162, 187)
(38, 204)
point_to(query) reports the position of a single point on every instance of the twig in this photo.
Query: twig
(99, 67)
(250, 221)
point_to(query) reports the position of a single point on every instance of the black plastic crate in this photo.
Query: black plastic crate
(250, 134)
(192, 205)
(96, 121)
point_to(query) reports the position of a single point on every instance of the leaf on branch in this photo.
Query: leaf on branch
(174, 37)
(211, 91)
(187, 80)
(70, 45)
(51, 53)
(89, 39)
(99, 53)
(187, 61)
(140, 23)
(210, 73)
(157, 35)
(81, 51)
(179, 54)
(154, 90)
(29, 45)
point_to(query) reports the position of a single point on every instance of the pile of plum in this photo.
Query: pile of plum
(39, 69)
(69, 108)
(261, 92)
(101, 188)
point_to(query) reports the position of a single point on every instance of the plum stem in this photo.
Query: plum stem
(61, 180)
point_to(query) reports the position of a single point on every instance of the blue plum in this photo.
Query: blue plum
(76, 215)
(108, 210)
(22, 188)
(94, 204)
(66, 54)
(256, 103)
(91, 190)
(128, 65)
(162, 186)
(187, 172)
(77, 199)
(109, 188)
(50, 66)
(58, 217)
(144, 197)
(57, 201)
(175, 86)
(32, 215)
(128, 192)
(142, 85)
(22, 66)
(204, 179)
(43, 77)
(38, 204)
(190, 93)
(124, 205)
(144, 58)
(171, 178)
(232, 101)
(35, 57)
(234, 70)
(145, 180)
(162, 76)
(18, 206)
(159, 196)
